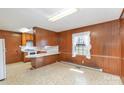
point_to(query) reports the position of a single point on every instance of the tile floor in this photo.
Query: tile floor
(56, 74)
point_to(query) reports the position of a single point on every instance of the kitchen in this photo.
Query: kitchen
(68, 51)
(46, 50)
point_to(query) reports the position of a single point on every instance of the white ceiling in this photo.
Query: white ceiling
(14, 19)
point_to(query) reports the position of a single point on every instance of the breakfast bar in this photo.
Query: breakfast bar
(42, 59)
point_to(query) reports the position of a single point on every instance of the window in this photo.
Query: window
(29, 43)
(81, 44)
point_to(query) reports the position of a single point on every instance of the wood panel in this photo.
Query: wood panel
(42, 61)
(122, 44)
(122, 49)
(44, 37)
(106, 46)
(12, 43)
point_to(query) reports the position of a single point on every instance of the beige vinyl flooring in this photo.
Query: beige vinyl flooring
(56, 74)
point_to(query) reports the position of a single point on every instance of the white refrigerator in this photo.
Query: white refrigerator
(2, 60)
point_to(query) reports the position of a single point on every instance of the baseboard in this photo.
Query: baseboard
(122, 79)
(81, 66)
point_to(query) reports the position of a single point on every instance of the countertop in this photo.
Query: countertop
(41, 55)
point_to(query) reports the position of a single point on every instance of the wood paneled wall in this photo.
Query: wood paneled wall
(106, 46)
(105, 41)
(44, 37)
(122, 45)
(12, 42)
(122, 49)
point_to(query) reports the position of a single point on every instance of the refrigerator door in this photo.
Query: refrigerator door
(2, 60)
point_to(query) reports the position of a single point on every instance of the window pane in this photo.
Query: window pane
(81, 43)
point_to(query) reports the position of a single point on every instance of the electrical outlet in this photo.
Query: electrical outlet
(82, 61)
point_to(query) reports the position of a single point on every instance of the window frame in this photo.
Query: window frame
(81, 34)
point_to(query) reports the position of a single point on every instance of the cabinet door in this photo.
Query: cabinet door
(26, 37)
(12, 43)
(13, 50)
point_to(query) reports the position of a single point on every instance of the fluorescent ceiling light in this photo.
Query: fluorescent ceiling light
(62, 14)
(76, 70)
(24, 30)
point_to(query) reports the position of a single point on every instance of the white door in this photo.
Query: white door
(2, 60)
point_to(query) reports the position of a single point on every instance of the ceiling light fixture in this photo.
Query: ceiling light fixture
(62, 14)
(23, 30)
(76, 70)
